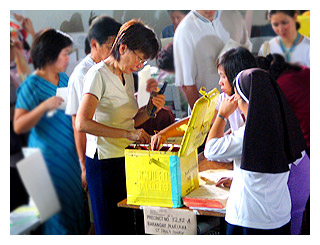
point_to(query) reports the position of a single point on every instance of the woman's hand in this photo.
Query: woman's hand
(157, 140)
(28, 26)
(158, 101)
(225, 182)
(228, 106)
(152, 85)
(84, 180)
(139, 136)
(52, 103)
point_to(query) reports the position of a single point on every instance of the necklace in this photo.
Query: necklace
(287, 51)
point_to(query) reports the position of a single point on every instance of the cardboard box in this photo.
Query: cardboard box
(162, 178)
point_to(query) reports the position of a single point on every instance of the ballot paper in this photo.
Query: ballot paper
(37, 181)
(143, 96)
(208, 195)
(214, 175)
(63, 92)
(166, 41)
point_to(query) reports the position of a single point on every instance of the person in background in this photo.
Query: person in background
(101, 35)
(17, 76)
(22, 28)
(51, 129)
(165, 116)
(294, 81)
(175, 16)
(19, 69)
(198, 41)
(228, 65)
(108, 114)
(293, 46)
(261, 150)
(87, 47)
(165, 59)
(18, 194)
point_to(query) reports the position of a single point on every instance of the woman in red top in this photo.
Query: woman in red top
(294, 80)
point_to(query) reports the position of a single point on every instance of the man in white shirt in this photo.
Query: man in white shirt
(102, 33)
(198, 41)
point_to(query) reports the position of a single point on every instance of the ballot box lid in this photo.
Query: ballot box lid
(200, 121)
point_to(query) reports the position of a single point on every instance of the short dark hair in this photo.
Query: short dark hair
(290, 13)
(137, 36)
(102, 27)
(184, 12)
(47, 47)
(235, 60)
(165, 58)
(87, 47)
(275, 64)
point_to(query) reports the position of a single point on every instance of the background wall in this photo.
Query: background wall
(157, 19)
(76, 23)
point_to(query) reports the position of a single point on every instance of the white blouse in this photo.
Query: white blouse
(299, 55)
(257, 200)
(116, 108)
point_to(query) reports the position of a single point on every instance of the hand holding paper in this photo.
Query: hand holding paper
(63, 93)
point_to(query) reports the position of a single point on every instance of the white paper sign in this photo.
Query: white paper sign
(63, 93)
(143, 96)
(168, 221)
(36, 179)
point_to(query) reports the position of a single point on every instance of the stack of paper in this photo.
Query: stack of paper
(24, 219)
(208, 195)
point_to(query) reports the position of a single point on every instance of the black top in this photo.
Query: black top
(273, 137)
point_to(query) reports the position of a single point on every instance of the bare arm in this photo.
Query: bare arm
(142, 115)
(191, 93)
(22, 66)
(226, 108)
(170, 131)
(25, 120)
(80, 141)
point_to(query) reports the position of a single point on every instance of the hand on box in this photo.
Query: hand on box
(157, 140)
(139, 135)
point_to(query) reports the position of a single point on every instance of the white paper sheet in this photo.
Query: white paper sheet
(143, 96)
(63, 92)
(36, 179)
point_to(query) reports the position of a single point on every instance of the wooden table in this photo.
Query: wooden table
(205, 164)
(123, 204)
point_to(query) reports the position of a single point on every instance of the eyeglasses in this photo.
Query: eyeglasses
(141, 61)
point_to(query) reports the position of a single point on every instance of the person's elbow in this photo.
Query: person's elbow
(18, 129)
(206, 152)
(80, 124)
(213, 150)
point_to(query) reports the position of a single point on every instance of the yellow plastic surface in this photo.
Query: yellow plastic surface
(162, 178)
(200, 121)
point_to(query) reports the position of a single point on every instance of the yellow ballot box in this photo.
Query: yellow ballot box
(163, 177)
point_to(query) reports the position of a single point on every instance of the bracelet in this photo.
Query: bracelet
(222, 118)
